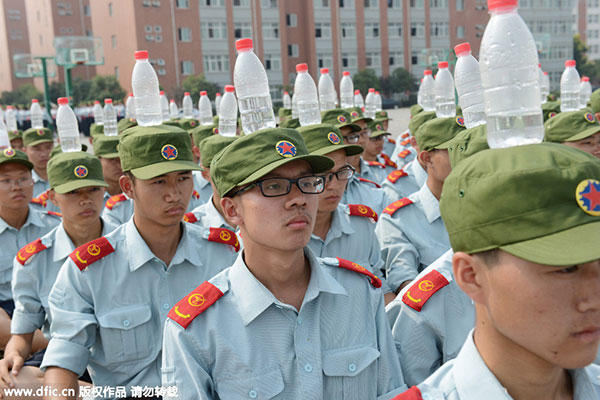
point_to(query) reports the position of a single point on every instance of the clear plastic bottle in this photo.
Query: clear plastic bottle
(445, 106)
(305, 91)
(511, 91)
(294, 106)
(146, 91)
(1, 114)
(11, 119)
(173, 110)
(287, 100)
(98, 112)
(228, 113)
(358, 100)
(66, 124)
(4, 140)
(545, 88)
(569, 87)
(188, 106)
(252, 88)
(585, 92)
(467, 79)
(326, 91)
(218, 99)
(37, 117)
(110, 119)
(370, 104)
(346, 91)
(427, 91)
(130, 107)
(378, 102)
(420, 94)
(205, 109)
(164, 106)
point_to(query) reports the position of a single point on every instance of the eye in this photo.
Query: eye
(184, 178)
(158, 182)
(272, 185)
(568, 270)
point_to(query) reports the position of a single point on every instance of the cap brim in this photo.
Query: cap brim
(351, 150)
(161, 168)
(36, 142)
(354, 127)
(584, 134)
(444, 146)
(378, 133)
(109, 155)
(573, 246)
(366, 119)
(78, 184)
(318, 163)
(26, 163)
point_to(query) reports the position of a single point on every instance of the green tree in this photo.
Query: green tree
(21, 96)
(364, 80)
(103, 87)
(403, 81)
(194, 84)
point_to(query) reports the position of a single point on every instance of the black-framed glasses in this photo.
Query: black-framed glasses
(343, 174)
(352, 139)
(274, 187)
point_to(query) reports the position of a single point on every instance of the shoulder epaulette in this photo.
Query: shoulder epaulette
(360, 210)
(54, 213)
(405, 135)
(388, 161)
(195, 195)
(395, 175)
(404, 153)
(190, 217)
(392, 141)
(29, 250)
(89, 253)
(375, 164)
(349, 265)
(405, 142)
(38, 201)
(114, 200)
(398, 204)
(225, 236)
(411, 394)
(371, 182)
(420, 291)
(194, 304)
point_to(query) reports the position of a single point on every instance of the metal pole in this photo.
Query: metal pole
(68, 82)
(46, 88)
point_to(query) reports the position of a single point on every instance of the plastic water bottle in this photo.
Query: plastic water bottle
(346, 91)
(585, 92)
(98, 112)
(252, 88)
(218, 99)
(287, 100)
(294, 106)
(37, 117)
(358, 100)
(569, 87)
(164, 106)
(228, 113)
(467, 79)
(445, 107)
(370, 104)
(173, 110)
(378, 102)
(326, 91)
(1, 114)
(11, 119)
(4, 140)
(205, 109)
(130, 107)
(511, 91)
(544, 91)
(188, 106)
(146, 91)
(305, 91)
(68, 130)
(428, 93)
(545, 87)
(110, 119)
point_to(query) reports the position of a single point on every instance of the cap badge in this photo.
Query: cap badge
(192, 123)
(384, 113)
(9, 153)
(215, 130)
(354, 114)
(285, 148)
(460, 121)
(40, 132)
(341, 119)
(589, 117)
(587, 195)
(551, 114)
(379, 127)
(80, 171)
(333, 138)
(169, 152)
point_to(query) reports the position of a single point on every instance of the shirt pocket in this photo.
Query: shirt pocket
(260, 386)
(126, 333)
(350, 373)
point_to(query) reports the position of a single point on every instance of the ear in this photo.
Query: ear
(597, 115)
(126, 185)
(205, 173)
(425, 158)
(232, 210)
(413, 143)
(196, 151)
(52, 197)
(469, 274)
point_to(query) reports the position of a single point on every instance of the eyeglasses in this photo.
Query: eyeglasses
(275, 187)
(7, 184)
(343, 174)
(377, 138)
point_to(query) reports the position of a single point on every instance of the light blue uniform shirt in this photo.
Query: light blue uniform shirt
(467, 377)
(110, 316)
(358, 192)
(248, 344)
(375, 173)
(406, 185)
(209, 217)
(31, 283)
(412, 238)
(388, 147)
(39, 185)
(38, 223)
(202, 186)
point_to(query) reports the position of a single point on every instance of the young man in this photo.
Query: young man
(279, 322)
(389, 143)
(201, 185)
(77, 190)
(112, 295)
(16, 140)
(535, 284)
(377, 166)
(38, 144)
(578, 129)
(105, 148)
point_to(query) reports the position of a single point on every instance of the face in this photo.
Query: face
(437, 163)
(590, 144)
(39, 154)
(375, 146)
(111, 168)
(17, 144)
(364, 134)
(82, 206)
(334, 188)
(11, 195)
(386, 124)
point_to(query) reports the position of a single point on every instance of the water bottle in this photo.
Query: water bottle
(569, 87)
(544, 91)
(188, 106)
(511, 91)
(378, 102)
(228, 113)
(130, 107)
(305, 91)
(346, 91)
(427, 91)
(4, 140)
(110, 119)
(326, 91)
(164, 106)
(68, 130)
(252, 88)
(205, 109)
(585, 92)
(11, 119)
(287, 100)
(358, 100)
(445, 107)
(294, 106)
(98, 112)
(37, 117)
(218, 102)
(545, 88)
(370, 104)
(467, 79)
(146, 91)
(173, 111)
(1, 114)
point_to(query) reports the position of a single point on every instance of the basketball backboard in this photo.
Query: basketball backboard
(78, 50)
(28, 66)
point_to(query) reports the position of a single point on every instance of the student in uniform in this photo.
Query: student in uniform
(105, 148)
(579, 129)
(378, 163)
(38, 143)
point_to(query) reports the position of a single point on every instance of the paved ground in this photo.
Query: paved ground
(399, 122)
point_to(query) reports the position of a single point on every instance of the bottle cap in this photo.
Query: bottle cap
(34, 100)
(203, 93)
(570, 63)
(218, 94)
(9, 107)
(357, 92)
(443, 64)
(230, 89)
(462, 48)
(377, 92)
(162, 93)
(301, 67)
(244, 44)
(172, 101)
(286, 92)
(62, 101)
(96, 102)
(107, 101)
(427, 72)
(371, 90)
(540, 65)
(585, 79)
(545, 73)
(346, 73)
(131, 94)
(324, 70)
(493, 4)
(141, 55)
(186, 93)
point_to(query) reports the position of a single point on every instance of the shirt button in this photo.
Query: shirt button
(299, 320)
(165, 306)
(253, 394)
(308, 368)
(351, 367)
(126, 322)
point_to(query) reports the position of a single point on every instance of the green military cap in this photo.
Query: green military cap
(291, 123)
(216, 120)
(420, 119)
(35, 136)
(12, 135)
(16, 156)
(570, 126)
(150, 151)
(172, 122)
(466, 143)
(96, 129)
(202, 132)
(253, 156)
(595, 101)
(106, 146)
(284, 113)
(415, 109)
(323, 139)
(382, 115)
(437, 134)
(550, 109)
(213, 145)
(58, 150)
(74, 170)
(188, 123)
(356, 114)
(125, 123)
(376, 128)
(539, 202)
(340, 118)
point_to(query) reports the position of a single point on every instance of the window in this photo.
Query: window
(414, 58)
(324, 61)
(86, 11)
(117, 72)
(395, 4)
(161, 71)
(272, 62)
(213, 3)
(15, 15)
(322, 30)
(438, 3)
(148, 28)
(460, 5)
(438, 29)
(460, 31)
(158, 38)
(88, 32)
(160, 61)
(348, 61)
(182, 4)
(416, 3)
(157, 28)
(113, 41)
(293, 50)
(110, 9)
(216, 63)
(65, 31)
(270, 30)
(214, 30)
(242, 30)
(346, 4)
(187, 68)
(241, 3)
(146, 3)
(321, 3)
(149, 38)
(373, 59)
(372, 30)
(371, 3)
(269, 3)
(291, 20)
(185, 34)
(16, 34)
(417, 29)
(156, 3)
(64, 8)
(396, 59)
(395, 30)
(348, 30)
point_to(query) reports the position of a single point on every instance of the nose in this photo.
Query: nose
(589, 291)
(295, 198)
(173, 192)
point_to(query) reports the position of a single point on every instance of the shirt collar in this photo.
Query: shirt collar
(33, 218)
(213, 217)
(201, 182)
(419, 172)
(430, 204)
(36, 177)
(63, 246)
